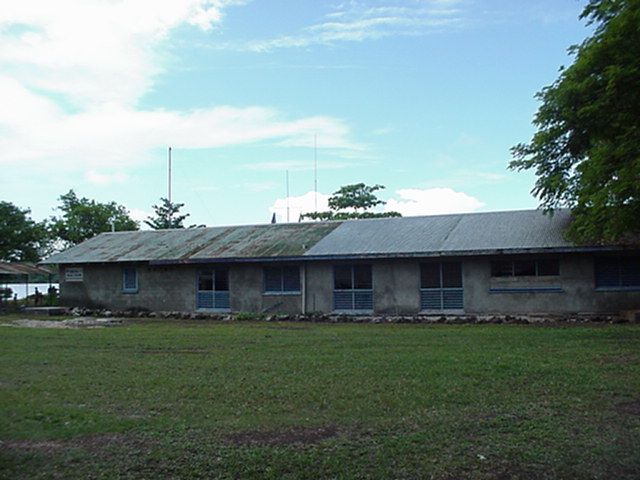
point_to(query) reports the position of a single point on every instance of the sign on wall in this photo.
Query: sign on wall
(73, 274)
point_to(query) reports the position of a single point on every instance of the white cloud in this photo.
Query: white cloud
(98, 178)
(117, 136)
(140, 216)
(412, 202)
(73, 72)
(92, 50)
(357, 21)
(432, 201)
(296, 206)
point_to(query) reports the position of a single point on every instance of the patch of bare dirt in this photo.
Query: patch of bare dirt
(80, 322)
(197, 351)
(629, 408)
(292, 436)
(618, 359)
(29, 446)
(92, 443)
(287, 327)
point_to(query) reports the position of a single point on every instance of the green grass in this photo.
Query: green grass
(259, 400)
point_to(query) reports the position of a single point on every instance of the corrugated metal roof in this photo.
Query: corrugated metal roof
(23, 268)
(458, 234)
(197, 244)
(437, 234)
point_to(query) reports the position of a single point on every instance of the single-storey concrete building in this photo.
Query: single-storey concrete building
(499, 262)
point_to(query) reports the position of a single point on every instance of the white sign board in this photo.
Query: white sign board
(73, 274)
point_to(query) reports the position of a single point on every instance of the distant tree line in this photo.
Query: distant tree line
(22, 239)
(79, 218)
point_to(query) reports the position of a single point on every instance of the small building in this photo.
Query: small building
(515, 262)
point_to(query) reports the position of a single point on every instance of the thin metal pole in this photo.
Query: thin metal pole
(315, 172)
(169, 179)
(287, 177)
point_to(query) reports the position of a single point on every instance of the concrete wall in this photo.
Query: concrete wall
(159, 288)
(246, 292)
(576, 280)
(170, 288)
(319, 284)
(396, 285)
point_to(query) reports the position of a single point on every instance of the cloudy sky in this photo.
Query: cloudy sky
(423, 96)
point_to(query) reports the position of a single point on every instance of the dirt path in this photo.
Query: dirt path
(80, 322)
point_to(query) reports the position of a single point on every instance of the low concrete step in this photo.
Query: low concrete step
(47, 311)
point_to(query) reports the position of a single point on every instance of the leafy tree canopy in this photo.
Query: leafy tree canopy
(21, 238)
(167, 215)
(83, 218)
(586, 151)
(352, 202)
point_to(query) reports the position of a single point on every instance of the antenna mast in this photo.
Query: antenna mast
(169, 178)
(287, 177)
(315, 172)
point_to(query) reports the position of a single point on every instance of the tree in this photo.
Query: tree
(351, 202)
(166, 215)
(83, 218)
(586, 151)
(21, 238)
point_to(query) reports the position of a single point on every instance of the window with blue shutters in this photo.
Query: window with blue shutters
(617, 273)
(213, 289)
(281, 280)
(353, 288)
(441, 286)
(129, 280)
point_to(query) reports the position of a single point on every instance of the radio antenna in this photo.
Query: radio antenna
(287, 181)
(169, 178)
(315, 172)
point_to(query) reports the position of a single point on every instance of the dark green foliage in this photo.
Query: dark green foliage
(586, 152)
(21, 238)
(352, 202)
(163, 399)
(167, 215)
(83, 218)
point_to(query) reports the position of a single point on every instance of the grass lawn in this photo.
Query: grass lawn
(161, 399)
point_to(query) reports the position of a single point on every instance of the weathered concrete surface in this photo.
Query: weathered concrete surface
(246, 292)
(45, 311)
(396, 285)
(576, 279)
(159, 288)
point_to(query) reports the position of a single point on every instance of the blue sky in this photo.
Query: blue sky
(423, 96)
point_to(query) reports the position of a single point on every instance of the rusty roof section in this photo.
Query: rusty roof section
(23, 268)
(198, 244)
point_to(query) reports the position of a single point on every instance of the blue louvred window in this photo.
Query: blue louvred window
(441, 286)
(129, 280)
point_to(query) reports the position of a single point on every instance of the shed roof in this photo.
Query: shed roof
(23, 268)
(485, 232)
(198, 244)
(456, 234)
